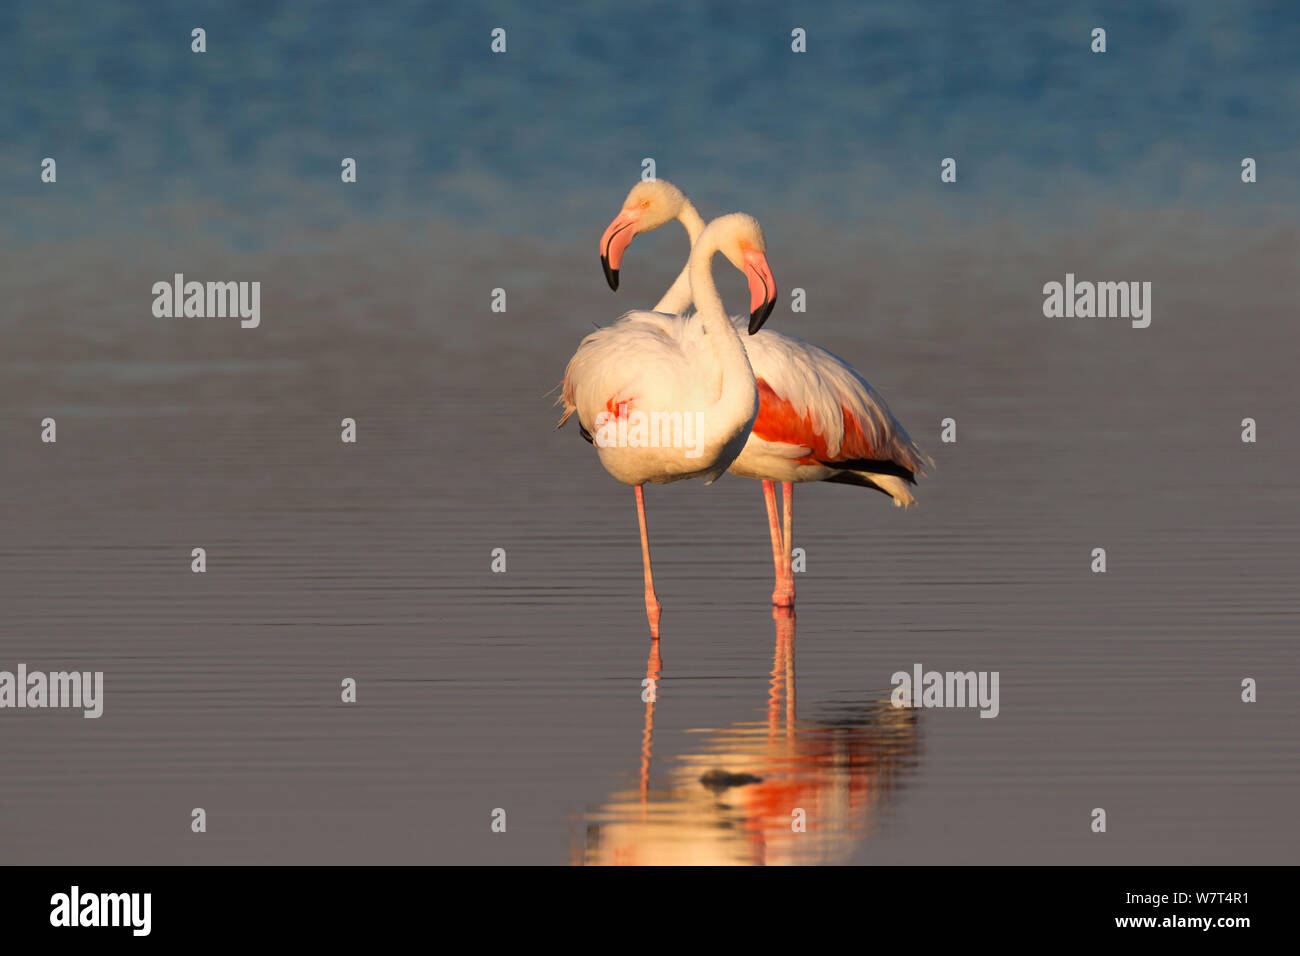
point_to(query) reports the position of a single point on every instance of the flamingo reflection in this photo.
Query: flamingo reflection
(735, 801)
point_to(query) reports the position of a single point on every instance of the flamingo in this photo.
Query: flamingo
(818, 418)
(691, 377)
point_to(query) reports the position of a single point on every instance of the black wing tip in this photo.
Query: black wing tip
(875, 466)
(853, 478)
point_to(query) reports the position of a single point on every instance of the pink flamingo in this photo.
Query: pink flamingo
(664, 398)
(818, 419)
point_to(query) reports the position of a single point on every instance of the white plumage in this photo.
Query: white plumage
(818, 418)
(662, 397)
(658, 364)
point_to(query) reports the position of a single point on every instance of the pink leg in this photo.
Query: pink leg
(779, 553)
(652, 605)
(787, 540)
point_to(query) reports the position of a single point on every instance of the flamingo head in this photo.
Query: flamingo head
(648, 206)
(740, 238)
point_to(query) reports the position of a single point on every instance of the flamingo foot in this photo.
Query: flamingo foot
(783, 596)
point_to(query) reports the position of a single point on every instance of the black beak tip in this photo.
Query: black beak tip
(611, 275)
(759, 315)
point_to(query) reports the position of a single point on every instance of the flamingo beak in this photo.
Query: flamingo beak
(614, 243)
(762, 289)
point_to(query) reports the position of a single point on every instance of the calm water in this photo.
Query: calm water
(522, 690)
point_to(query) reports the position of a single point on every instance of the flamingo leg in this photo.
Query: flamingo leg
(652, 605)
(779, 551)
(787, 541)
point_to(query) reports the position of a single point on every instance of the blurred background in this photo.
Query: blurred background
(522, 690)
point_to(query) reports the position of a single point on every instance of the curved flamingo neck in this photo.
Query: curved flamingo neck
(692, 220)
(678, 297)
(736, 394)
(703, 290)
